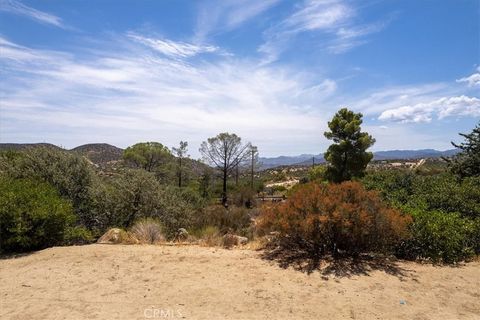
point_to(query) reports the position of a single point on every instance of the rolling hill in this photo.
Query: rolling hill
(99, 153)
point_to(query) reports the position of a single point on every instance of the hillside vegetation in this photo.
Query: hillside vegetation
(152, 194)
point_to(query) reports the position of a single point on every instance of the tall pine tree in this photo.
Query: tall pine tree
(347, 156)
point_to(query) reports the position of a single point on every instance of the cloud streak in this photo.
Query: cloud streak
(16, 7)
(472, 80)
(332, 19)
(219, 16)
(171, 48)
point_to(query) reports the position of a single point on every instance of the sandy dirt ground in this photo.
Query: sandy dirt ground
(191, 282)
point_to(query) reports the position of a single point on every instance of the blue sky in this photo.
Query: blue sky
(272, 71)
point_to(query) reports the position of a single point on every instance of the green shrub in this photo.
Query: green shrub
(395, 186)
(70, 174)
(125, 198)
(448, 194)
(317, 173)
(136, 194)
(440, 237)
(209, 236)
(77, 235)
(234, 219)
(173, 211)
(32, 215)
(442, 192)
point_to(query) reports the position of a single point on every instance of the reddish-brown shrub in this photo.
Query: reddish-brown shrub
(336, 218)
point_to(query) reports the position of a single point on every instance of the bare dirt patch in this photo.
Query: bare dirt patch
(192, 282)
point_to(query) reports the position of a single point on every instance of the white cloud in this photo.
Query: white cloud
(440, 108)
(334, 19)
(122, 94)
(16, 7)
(171, 48)
(219, 16)
(472, 80)
(319, 15)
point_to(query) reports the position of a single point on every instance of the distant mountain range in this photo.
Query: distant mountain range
(307, 159)
(103, 153)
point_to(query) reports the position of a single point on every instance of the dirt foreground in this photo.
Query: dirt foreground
(191, 282)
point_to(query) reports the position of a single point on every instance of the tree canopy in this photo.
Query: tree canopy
(347, 156)
(467, 162)
(147, 155)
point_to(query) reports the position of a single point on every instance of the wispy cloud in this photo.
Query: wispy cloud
(219, 16)
(334, 19)
(472, 80)
(319, 15)
(16, 7)
(441, 108)
(127, 93)
(172, 48)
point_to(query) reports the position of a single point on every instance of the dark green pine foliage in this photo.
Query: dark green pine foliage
(347, 156)
(467, 162)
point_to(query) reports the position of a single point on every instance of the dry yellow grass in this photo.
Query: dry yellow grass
(193, 282)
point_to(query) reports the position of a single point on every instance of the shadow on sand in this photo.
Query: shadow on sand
(364, 264)
(8, 256)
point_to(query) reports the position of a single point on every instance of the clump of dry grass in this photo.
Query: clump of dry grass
(117, 236)
(258, 243)
(148, 231)
(209, 236)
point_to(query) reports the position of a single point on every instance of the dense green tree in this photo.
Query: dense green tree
(32, 215)
(467, 162)
(135, 194)
(225, 151)
(347, 156)
(69, 173)
(147, 155)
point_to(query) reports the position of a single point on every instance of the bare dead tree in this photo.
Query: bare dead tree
(225, 151)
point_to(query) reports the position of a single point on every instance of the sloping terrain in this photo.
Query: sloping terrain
(191, 282)
(99, 153)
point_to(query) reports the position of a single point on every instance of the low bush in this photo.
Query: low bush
(442, 192)
(136, 194)
(440, 237)
(32, 215)
(77, 236)
(69, 174)
(336, 218)
(148, 231)
(208, 236)
(117, 236)
(234, 219)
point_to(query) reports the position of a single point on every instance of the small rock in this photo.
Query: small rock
(182, 234)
